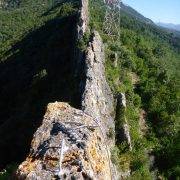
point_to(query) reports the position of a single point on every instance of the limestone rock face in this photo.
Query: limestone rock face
(68, 145)
(97, 99)
(72, 143)
(83, 21)
(125, 134)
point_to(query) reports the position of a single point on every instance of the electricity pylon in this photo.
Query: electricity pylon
(111, 24)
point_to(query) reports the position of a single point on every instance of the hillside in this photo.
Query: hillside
(133, 13)
(170, 26)
(155, 59)
(144, 66)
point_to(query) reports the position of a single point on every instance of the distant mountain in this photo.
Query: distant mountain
(132, 12)
(169, 26)
(163, 28)
(134, 20)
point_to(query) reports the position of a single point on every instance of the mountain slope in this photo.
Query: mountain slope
(169, 26)
(132, 12)
(143, 66)
(156, 50)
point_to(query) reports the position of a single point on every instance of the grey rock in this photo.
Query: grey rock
(97, 99)
(72, 143)
(82, 25)
(63, 148)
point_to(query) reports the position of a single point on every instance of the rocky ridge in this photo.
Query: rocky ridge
(97, 99)
(73, 143)
(69, 144)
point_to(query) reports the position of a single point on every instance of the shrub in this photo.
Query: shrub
(7, 172)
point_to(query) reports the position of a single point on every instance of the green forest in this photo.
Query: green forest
(147, 72)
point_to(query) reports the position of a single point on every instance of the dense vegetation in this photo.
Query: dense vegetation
(147, 72)
(37, 40)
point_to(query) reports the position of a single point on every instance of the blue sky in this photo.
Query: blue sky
(167, 11)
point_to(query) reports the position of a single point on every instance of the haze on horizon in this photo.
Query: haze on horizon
(165, 11)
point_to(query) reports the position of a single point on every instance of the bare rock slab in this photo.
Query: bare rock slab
(68, 145)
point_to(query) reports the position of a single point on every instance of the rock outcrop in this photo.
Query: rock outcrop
(97, 99)
(124, 133)
(68, 145)
(83, 20)
(72, 143)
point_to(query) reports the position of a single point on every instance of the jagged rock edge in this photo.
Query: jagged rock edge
(101, 117)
